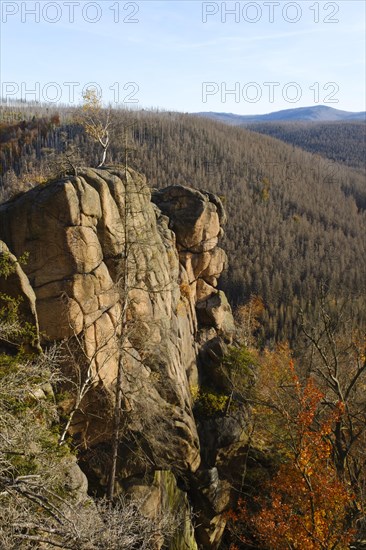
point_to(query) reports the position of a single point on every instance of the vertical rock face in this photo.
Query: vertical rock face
(127, 284)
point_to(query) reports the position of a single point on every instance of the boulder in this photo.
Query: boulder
(215, 311)
(194, 216)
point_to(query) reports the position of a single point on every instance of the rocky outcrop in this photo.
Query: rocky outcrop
(15, 285)
(196, 218)
(128, 285)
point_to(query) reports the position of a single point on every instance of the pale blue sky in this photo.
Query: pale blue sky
(187, 55)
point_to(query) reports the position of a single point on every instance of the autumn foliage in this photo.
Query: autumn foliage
(304, 505)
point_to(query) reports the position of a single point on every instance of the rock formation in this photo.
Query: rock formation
(126, 283)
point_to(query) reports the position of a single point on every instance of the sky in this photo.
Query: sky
(249, 57)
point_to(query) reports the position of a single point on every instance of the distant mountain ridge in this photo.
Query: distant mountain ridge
(318, 113)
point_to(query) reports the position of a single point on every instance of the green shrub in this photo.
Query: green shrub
(231, 384)
(208, 402)
(239, 366)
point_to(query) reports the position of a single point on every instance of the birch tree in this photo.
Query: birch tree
(96, 121)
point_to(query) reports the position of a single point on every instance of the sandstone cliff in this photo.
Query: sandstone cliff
(127, 283)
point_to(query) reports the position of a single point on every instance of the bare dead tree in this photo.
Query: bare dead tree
(36, 508)
(128, 281)
(337, 357)
(33, 516)
(128, 342)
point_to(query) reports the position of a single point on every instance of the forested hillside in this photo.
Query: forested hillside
(343, 142)
(295, 220)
